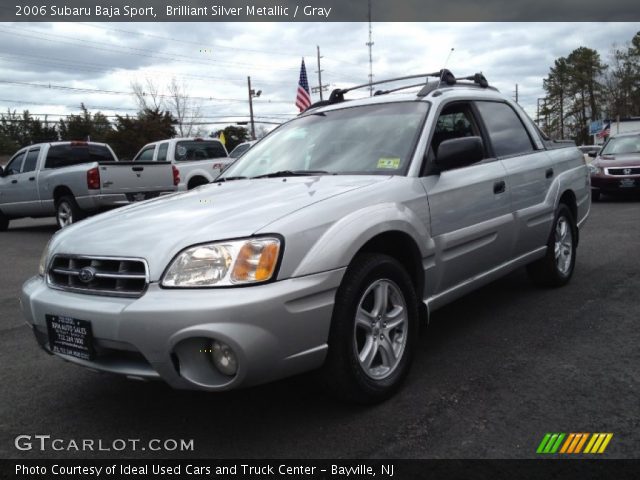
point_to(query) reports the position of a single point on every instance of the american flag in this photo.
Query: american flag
(605, 132)
(303, 100)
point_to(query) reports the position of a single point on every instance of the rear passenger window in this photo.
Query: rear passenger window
(506, 131)
(31, 161)
(67, 155)
(162, 152)
(199, 150)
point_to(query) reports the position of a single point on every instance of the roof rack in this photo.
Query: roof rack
(444, 79)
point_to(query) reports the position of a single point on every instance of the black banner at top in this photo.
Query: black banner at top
(317, 10)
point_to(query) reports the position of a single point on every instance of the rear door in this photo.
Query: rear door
(530, 172)
(470, 207)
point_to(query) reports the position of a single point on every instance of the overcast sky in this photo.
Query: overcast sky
(214, 59)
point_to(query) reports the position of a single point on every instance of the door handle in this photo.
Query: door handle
(31, 179)
(499, 187)
(14, 181)
(548, 173)
(137, 169)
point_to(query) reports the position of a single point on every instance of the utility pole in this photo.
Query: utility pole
(252, 93)
(516, 93)
(370, 44)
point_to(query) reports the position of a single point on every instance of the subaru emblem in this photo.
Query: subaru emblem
(87, 274)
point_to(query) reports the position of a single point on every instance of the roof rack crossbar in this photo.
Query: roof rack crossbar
(384, 92)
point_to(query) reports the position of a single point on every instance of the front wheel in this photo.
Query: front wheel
(68, 211)
(556, 268)
(595, 195)
(373, 330)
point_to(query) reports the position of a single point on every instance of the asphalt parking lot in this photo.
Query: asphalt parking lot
(496, 371)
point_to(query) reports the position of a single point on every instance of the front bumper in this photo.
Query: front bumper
(276, 330)
(615, 183)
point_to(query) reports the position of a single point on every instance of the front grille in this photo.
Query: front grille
(120, 277)
(624, 171)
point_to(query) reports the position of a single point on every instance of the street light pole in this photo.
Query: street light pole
(251, 93)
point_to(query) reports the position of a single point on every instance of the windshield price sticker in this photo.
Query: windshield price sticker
(392, 163)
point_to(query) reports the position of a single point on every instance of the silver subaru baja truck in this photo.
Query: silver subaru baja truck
(326, 246)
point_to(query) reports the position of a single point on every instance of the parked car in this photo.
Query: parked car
(70, 180)
(327, 245)
(241, 148)
(199, 160)
(617, 168)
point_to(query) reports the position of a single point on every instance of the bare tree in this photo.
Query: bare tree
(148, 96)
(184, 108)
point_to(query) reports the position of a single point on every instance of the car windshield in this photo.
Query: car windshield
(372, 139)
(618, 145)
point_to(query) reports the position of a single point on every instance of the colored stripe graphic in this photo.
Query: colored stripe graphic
(550, 443)
(573, 443)
(598, 443)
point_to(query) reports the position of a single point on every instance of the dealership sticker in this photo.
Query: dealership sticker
(393, 163)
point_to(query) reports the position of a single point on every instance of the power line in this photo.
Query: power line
(134, 51)
(57, 62)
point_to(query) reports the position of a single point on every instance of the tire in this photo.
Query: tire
(595, 195)
(4, 223)
(68, 211)
(196, 182)
(351, 335)
(556, 268)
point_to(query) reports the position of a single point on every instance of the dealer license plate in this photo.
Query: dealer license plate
(70, 336)
(627, 183)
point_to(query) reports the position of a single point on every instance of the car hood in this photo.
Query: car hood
(618, 160)
(158, 229)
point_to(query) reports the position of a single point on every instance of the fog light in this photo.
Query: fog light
(223, 358)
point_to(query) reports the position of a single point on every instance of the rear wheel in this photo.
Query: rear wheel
(4, 222)
(556, 268)
(196, 182)
(373, 330)
(68, 211)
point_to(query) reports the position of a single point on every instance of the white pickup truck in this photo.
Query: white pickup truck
(199, 160)
(70, 180)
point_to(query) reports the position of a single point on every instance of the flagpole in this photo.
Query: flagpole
(253, 127)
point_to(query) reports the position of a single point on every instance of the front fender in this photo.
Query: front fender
(337, 246)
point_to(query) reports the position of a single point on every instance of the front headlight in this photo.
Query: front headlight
(219, 264)
(42, 266)
(593, 170)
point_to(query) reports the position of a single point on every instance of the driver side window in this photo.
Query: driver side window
(15, 164)
(455, 121)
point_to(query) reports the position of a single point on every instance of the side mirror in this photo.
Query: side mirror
(592, 154)
(459, 152)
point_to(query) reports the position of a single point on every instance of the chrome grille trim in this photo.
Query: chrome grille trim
(113, 276)
(619, 171)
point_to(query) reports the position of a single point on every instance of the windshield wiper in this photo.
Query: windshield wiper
(228, 179)
(292, 173)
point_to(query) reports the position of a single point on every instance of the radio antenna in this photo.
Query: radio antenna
(446, 62)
